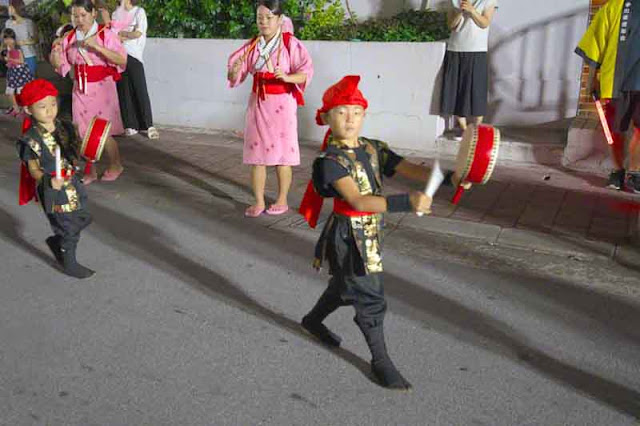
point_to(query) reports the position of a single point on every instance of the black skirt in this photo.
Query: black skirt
(465, 84)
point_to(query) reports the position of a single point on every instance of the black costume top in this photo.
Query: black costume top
(39, 144)
(352, 245)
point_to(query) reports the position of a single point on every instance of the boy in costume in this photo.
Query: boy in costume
(63, 197)
(350, 170)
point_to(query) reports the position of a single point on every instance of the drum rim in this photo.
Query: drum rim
(464, 173)
(103, 138)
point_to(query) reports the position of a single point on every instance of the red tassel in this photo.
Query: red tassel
(311, 204)
(87, 168)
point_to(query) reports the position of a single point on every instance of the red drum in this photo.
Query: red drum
(94, 141)
(477, 156)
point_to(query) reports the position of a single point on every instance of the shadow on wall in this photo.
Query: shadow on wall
(534, 71)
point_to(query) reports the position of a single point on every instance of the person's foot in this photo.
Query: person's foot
(389, 376)
(275, 209)
(9, 111)
(72, 268)
(633, 181)
(130, 132)
(54, 245)
(321, 332)
(112, 174)
(254, 211)
(152, 133)
(616, 179)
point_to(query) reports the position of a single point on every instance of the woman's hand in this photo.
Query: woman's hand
(281, 75)
(56, 53)
(91, 43)
(232, 74)
(467, 7)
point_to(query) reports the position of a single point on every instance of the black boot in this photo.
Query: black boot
(381, 364)
(312, 322)
(71, 265)
(54, 245)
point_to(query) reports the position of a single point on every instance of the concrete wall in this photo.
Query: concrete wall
(187, 84)
(534, 73)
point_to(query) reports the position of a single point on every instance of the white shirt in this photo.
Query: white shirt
(24, 31)
(468, 36)
(134, 47)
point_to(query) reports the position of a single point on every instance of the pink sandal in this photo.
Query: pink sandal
(253, 211)
(275, 209)
(110, 176)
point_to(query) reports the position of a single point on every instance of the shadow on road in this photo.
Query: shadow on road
(145, 242)
(10, 230)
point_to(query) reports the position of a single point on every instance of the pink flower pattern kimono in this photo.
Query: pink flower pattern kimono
(271, 124)
(101, 97)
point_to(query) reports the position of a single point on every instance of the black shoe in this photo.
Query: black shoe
(54, 245)
(381, 365)
(633, 181)
(616, 179)
(321, 332)
(71, 266)
(389, 376)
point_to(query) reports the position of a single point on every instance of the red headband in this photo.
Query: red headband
(344, 92)
(35, 91)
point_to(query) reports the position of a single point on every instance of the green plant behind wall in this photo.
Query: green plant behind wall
(313, 20)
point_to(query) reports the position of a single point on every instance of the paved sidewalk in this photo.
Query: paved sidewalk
(534, 207)
(527, 206)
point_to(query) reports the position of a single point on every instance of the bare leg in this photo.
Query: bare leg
(285, 176)
(634, 151)
(617, 150)
(462, 122)
(478, 120)
(111, 147)
(258, 181)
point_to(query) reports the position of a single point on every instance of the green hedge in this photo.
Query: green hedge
(313, 20)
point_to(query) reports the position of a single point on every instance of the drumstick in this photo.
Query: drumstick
(58, 163)
(603, 118)
(435, 180)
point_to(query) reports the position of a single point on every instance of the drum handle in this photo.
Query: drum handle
(458, 195)
(87, 167)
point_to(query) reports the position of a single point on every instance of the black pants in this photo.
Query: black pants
(135, 106)
(365, 293)
(68, 226)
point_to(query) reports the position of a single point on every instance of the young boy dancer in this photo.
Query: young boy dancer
(351, 170)
(45, 140)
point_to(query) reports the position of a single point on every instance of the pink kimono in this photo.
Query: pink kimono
(271, 124)
(99, 98)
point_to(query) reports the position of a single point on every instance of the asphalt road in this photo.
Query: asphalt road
(192, 319)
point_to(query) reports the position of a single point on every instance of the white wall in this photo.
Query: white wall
(187, 85)
(534, 72)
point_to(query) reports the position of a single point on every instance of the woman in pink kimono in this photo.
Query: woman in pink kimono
(98, 58)
(281, 69)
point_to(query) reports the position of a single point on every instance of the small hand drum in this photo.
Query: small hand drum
(477, 156)
(94, 141)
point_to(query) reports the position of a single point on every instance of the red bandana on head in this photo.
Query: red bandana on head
(344, 92)
(32, 92)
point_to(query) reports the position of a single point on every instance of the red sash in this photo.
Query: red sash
(343, 208)
(265, 83)
(95, 73)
